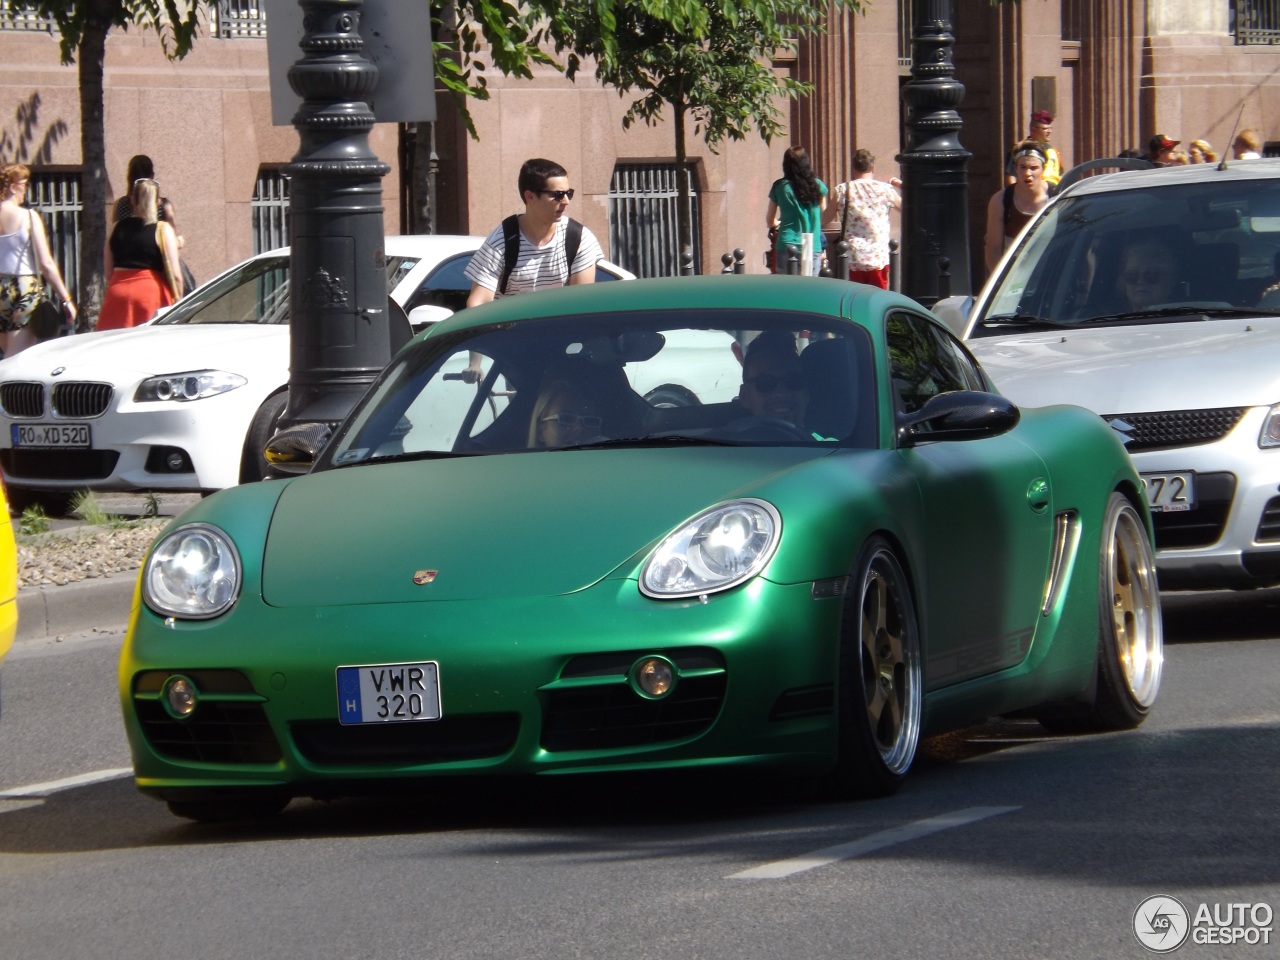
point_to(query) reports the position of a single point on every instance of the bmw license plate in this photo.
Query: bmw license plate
(389, 692)
(1170, 492)
(57, 435)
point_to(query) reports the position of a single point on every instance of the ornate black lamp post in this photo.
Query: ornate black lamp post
(935, 180)
(339, 328)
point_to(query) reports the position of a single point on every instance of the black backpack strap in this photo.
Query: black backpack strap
(572, 240)
(511, 249)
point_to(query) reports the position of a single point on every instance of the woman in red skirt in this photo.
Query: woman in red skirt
(141, 259)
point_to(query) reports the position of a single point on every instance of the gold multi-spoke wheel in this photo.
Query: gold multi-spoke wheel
(881, 678)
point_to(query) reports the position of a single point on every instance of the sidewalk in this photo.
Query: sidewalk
(102, 603)
(99, 603)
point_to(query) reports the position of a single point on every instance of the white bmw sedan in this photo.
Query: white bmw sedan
(1152, 297)
(186, 402)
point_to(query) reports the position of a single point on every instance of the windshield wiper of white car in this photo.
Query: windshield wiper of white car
(1021, 320)
(1189, 312)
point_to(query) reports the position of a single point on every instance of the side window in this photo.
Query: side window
(953, 356)
(445, 286)
(922, 363)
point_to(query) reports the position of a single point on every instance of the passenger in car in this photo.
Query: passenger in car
(564, 414)
(773, 383)
(1148, 274)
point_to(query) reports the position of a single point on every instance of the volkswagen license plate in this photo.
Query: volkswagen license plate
(1170, 492)
(389, 692)
(49, 434)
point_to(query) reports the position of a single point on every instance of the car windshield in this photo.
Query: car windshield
(644, 379)
(1158, 254)
(255, 292)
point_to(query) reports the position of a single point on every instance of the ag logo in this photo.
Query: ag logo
(1161, 924)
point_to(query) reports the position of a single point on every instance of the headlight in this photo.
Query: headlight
(192, 573)
(195, 385)
(1270, 436)
(718, 549)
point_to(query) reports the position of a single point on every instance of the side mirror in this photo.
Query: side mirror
(959, 415)
(294, 450)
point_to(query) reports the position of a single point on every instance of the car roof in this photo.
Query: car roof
(413, 245)
(1268, 169)
(831, 298)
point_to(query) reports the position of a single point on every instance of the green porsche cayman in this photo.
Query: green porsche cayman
(723, 522)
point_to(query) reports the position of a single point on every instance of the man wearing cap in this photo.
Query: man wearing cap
(1160, 151)
(1039, 130)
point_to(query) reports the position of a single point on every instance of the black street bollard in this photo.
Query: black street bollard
(895, 266)
(944, 277)
(739, 260)
(844, 259)
(686, 262)
(727, 260)
(791, 262)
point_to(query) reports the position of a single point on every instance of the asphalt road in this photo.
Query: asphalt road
(1006, 842)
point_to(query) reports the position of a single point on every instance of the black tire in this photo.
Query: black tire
(880, 691)
(230, 809)
(253, 464)
(1130, 654)
(672, 395)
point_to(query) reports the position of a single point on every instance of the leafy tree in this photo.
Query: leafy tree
(83, 26)
(708, 61)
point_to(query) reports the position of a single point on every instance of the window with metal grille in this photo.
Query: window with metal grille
(906, 20)
(1255, 21)
(238, 19)
(55, 197)
(644, 218)
(20, 16)
(270, 208)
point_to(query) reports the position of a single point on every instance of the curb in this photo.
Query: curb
(99, 603)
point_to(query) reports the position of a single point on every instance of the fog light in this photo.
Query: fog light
(654, 677)
(180, 697)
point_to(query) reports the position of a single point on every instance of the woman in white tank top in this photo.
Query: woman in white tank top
(24, 258)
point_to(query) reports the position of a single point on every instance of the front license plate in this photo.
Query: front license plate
(49, 434)
(389, 692)
(1170, 492)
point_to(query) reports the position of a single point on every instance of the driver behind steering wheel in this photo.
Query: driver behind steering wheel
(773, 383)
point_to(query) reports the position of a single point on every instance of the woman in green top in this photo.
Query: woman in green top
(796, 203)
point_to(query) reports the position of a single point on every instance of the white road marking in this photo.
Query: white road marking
(877, 841)
(66, 783)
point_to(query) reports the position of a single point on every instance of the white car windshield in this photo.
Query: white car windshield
(1152, 254)
(255, 292)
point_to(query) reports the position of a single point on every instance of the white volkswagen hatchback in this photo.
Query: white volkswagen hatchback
(186, 402)
(1153, 298)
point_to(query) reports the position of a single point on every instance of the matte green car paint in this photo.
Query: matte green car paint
(538, 553)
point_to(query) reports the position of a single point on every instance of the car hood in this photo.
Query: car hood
(113, 355)
(537, 524)
(1135, 369)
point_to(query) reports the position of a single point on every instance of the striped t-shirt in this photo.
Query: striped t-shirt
(536, 267)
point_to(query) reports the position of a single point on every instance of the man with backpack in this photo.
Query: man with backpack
(538, 248)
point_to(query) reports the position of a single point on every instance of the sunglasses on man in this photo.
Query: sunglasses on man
(558, 195)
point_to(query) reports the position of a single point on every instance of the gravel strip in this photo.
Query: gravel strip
(81, 553)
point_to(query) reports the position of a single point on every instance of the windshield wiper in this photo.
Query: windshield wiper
(1189, 311)
(1021, 320)
(656, 440)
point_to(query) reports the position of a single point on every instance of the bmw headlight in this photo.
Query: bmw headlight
(193, 573)
(1270, 436)
(718, 549)
(195, 385)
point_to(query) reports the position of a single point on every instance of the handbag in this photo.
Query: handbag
(46, 321)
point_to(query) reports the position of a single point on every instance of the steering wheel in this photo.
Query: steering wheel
(764, 428)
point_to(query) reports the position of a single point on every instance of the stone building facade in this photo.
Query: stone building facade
(1114, 72)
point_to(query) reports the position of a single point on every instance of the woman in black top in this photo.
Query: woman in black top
(141, 258)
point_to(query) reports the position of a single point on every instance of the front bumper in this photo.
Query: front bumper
(1231, 538)
(528, 686)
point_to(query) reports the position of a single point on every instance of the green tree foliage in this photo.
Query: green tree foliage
(83, 26)
(704, 61)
